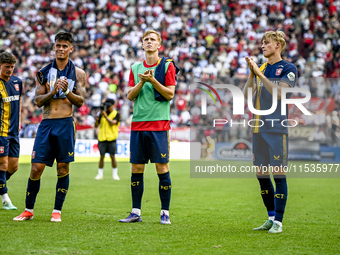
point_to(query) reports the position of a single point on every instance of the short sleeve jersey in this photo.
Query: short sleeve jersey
(281, 71)
(10, 92)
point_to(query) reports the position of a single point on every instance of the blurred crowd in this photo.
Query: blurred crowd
(208, 39)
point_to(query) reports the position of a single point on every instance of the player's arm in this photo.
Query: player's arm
(166, 91)
(78, 96)
(269, 85)
(20, 113)
(41, 95)
(266, 82)
(251, 80)
(133, 92)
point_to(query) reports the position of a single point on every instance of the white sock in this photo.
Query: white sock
(136, 211)
(56, 211)
(100, 171)
(29, 210)
(278, 222)
(114, 171)
(5, 197)
(165, 211)
(272, 218)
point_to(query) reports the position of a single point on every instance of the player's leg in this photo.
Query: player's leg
(278, 160)
(112, 151)
(137, 189)
(13, 164)
(138, 159)
(13, 157)
(61, 190)
(33, 187)
(260, 158)
(5, 147)
(164, 190)
(102, 146)
(6, 201)
(160, 155)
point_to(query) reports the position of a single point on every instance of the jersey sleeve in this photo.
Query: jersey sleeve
(131, 79)
(20, 87)
(289, 75)
(170, 76)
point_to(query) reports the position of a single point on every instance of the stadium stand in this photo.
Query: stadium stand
(207, 39)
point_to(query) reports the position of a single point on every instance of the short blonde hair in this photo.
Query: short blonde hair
(277, 36)
(154, 32)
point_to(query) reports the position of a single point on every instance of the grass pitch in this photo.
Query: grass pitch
(208, 216)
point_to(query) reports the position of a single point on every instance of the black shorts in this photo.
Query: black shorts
(109, 147)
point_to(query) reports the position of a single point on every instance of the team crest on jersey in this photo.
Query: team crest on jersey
(33, 154)
(16, 86)
(278, 71)
(2, 149)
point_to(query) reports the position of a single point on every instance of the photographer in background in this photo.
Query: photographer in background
(108, 122)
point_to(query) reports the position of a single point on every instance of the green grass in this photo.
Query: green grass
(208, 216)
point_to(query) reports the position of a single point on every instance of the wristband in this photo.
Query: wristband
(66, 92)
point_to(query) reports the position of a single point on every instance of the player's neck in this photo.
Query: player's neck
(274, 59)
(5, 78)
(151, 59)
(61, 63)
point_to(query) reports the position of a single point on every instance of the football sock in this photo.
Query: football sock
(100, 171)
(136, 211)
(165, 211)
(165, 190)
(3, 186)
(281, 194)
(8, 175)
(114, 171)
(61, 191)
(33, 187)
(137, 188)
(267, 193)
(56, 211)
(278, 222)
(5, 197)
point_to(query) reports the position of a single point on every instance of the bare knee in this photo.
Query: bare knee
(13, 164)
(162, 168)
(62, 169)
(137, 168)
(37, 170)
(3, 163)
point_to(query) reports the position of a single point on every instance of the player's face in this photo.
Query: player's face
(62, 49)
(151, 43)
(269, 47)
(6, 70)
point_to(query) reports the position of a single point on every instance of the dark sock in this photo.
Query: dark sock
(61, 191)
(165, 190)
(281, 194)
(137, 188)
(8, 175)
(267, 193)
(33, 187)
(3, 186)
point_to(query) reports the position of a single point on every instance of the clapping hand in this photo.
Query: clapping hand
(253, 66)
(147, 76)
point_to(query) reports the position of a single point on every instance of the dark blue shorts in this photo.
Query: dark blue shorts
(55, 140)
(270, 149)
(149, 145)
(9, 146)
